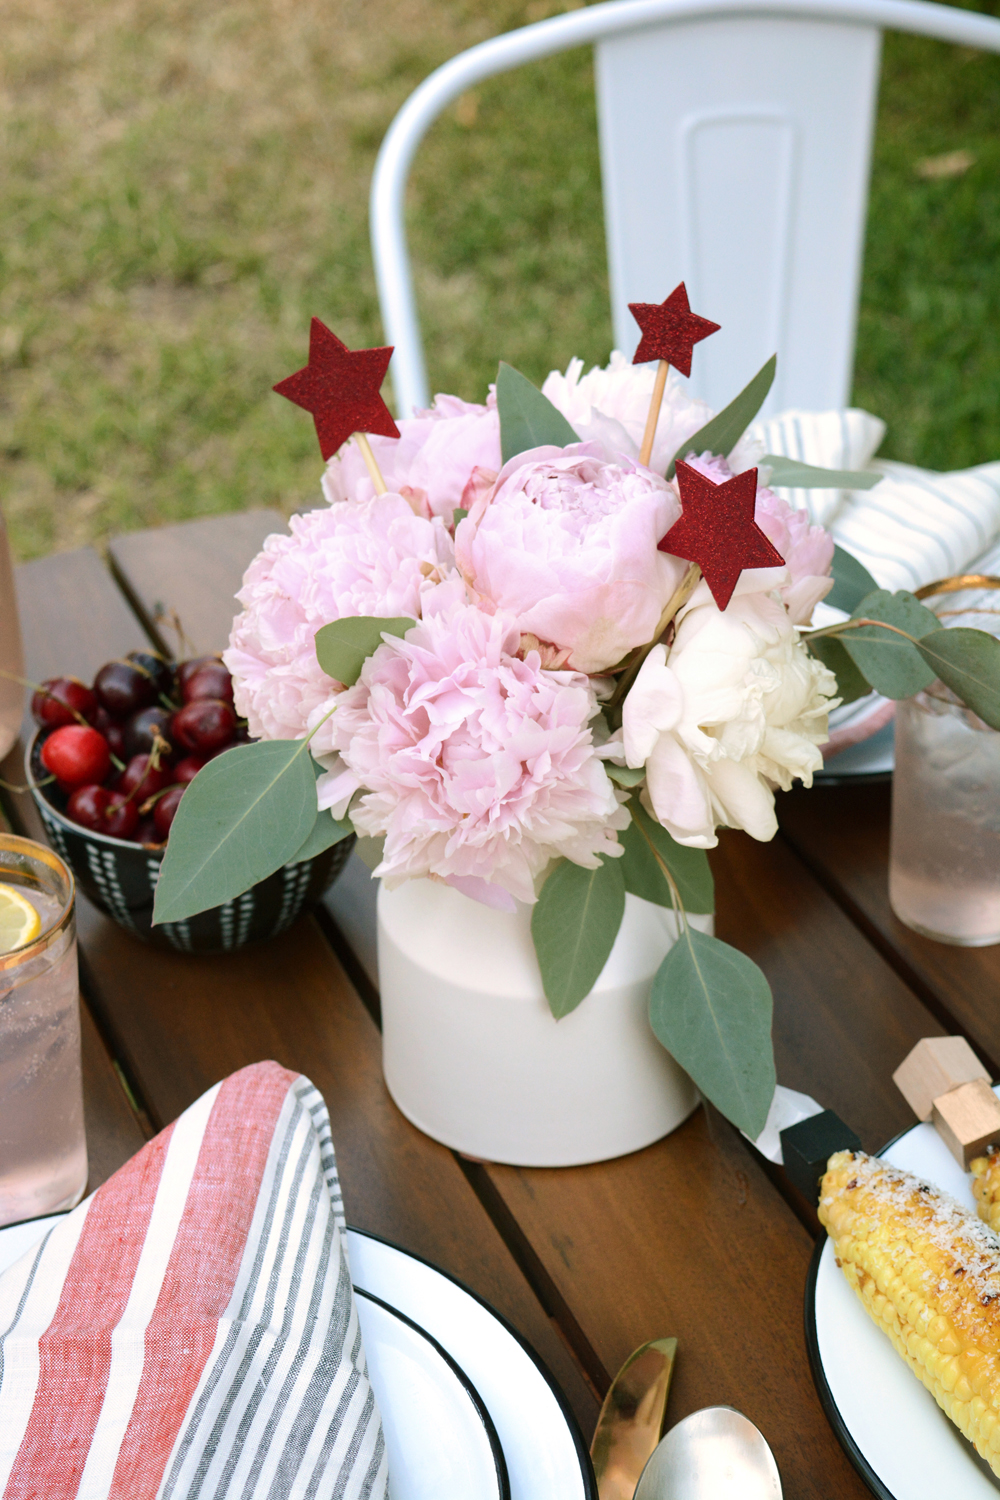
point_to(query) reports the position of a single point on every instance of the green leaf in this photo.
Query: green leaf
(892, 664)
(724, 431)
(244, 815)
(851, 581)
(790, 474)
(851, 683)
(711, 1008)
(370, 851)
(642, 872)
(574, 925)
(326, 830)
(967, 661)
(625, 775)
(343, 647)
(527, 418)
(458, 514)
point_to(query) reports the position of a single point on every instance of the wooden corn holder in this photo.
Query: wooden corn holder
(944, 1082)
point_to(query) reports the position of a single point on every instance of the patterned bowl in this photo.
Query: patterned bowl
(120, 878)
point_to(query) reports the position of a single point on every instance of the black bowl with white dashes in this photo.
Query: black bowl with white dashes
(120, 878)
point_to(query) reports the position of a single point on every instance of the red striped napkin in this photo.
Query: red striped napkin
(190, 1330)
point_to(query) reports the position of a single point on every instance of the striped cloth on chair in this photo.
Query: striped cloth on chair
(190, 1330)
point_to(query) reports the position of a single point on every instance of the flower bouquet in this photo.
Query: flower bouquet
(540, 650)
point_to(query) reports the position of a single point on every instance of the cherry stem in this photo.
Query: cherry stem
(8, 786)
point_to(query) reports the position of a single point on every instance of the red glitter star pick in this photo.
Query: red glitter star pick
(717, 530)
(340, 386)
(670, 330)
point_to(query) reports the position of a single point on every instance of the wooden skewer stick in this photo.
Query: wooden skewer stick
(371, 463)
(660, 385)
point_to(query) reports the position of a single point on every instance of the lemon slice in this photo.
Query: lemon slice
(19, 921)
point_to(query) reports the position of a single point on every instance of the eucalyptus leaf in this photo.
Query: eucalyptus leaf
(244, 815)
(724, 431)
(967, 661)
(343, 646)
(370, 851)
(326, 831)
(643, 874)
(711, 1008)
(791, 474)
(527, 418)
(890, 662)
(851, 682)
(458, 514)
(625, 775)
(852, 582)
(574, 924)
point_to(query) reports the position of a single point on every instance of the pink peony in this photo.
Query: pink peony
(477, 767)
(807, 549)
(567, 544)
(444, 457)
(376, 558)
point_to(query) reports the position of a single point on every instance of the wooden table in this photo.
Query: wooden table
(693, 1236)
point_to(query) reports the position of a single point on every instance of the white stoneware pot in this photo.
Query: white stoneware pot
(473, 1056)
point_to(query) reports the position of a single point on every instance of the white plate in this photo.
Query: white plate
(874, 756)
(893, 1430)
(539, 1439)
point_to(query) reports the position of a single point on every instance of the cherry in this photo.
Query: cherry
(139, 728)
(155, 667)
(204, 726)
(165, 810)
(211, 681)
(140, 779)
(112, 731)
(123, 689)
(101, 811)
(76, 754)
(187, 669)
(187, 769)
(147, 834)
(59, 701)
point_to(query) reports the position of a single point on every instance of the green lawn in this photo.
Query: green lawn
(184, 185)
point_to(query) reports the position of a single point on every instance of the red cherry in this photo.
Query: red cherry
(146, 833)
(87, 806)
(203, 726)
(59, 701)
(187, 769)
(121, 816)
(112, 730)
(166, 809)
(140, 780)
(76, 754)
(212, 681)
(187, 669)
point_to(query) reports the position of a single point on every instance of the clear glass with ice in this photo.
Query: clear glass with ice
(43, 1152)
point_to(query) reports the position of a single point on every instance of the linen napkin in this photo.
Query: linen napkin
(190, 1329)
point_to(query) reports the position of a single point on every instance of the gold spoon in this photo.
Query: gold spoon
(631, 1421)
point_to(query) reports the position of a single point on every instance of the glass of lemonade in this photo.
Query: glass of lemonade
(43, 1152)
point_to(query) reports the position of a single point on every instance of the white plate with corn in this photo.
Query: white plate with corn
(903, 1279)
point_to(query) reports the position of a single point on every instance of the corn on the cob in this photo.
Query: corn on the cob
(986, 1186)
(928, 1272)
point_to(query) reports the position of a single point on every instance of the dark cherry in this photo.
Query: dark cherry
(101, 811)
(166, 809)
(146, 833)
(59, 701)
(187, 769)
(156, 667)
(112, 730)
(76, 754)
(123, 689)
(211, 681)
(121, 817)
(139, 728)
(187, 669)
(204, 726)
(141, 780)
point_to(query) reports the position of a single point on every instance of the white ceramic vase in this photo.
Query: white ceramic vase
(473, 1056)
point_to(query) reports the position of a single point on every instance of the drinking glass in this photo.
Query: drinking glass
(43, 1153)
(11, 660)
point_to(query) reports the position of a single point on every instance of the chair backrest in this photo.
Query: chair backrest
(735, 151)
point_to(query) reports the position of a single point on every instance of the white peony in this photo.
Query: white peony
(610, 406)
(737, 708)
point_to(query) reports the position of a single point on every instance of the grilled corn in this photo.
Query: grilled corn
(986, 1186)
(928, 1272)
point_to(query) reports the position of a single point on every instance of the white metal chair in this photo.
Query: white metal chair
(735, 149)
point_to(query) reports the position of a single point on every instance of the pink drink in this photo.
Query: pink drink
(944, 860)
(43, 1153)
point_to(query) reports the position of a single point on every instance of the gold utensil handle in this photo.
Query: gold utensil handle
(631, 1421)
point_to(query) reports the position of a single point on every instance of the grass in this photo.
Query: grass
(185, 185)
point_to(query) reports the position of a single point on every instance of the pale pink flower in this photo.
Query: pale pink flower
(476, 767)
(807, 549)
(444, 457)
(567, 543)
(376, 558)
